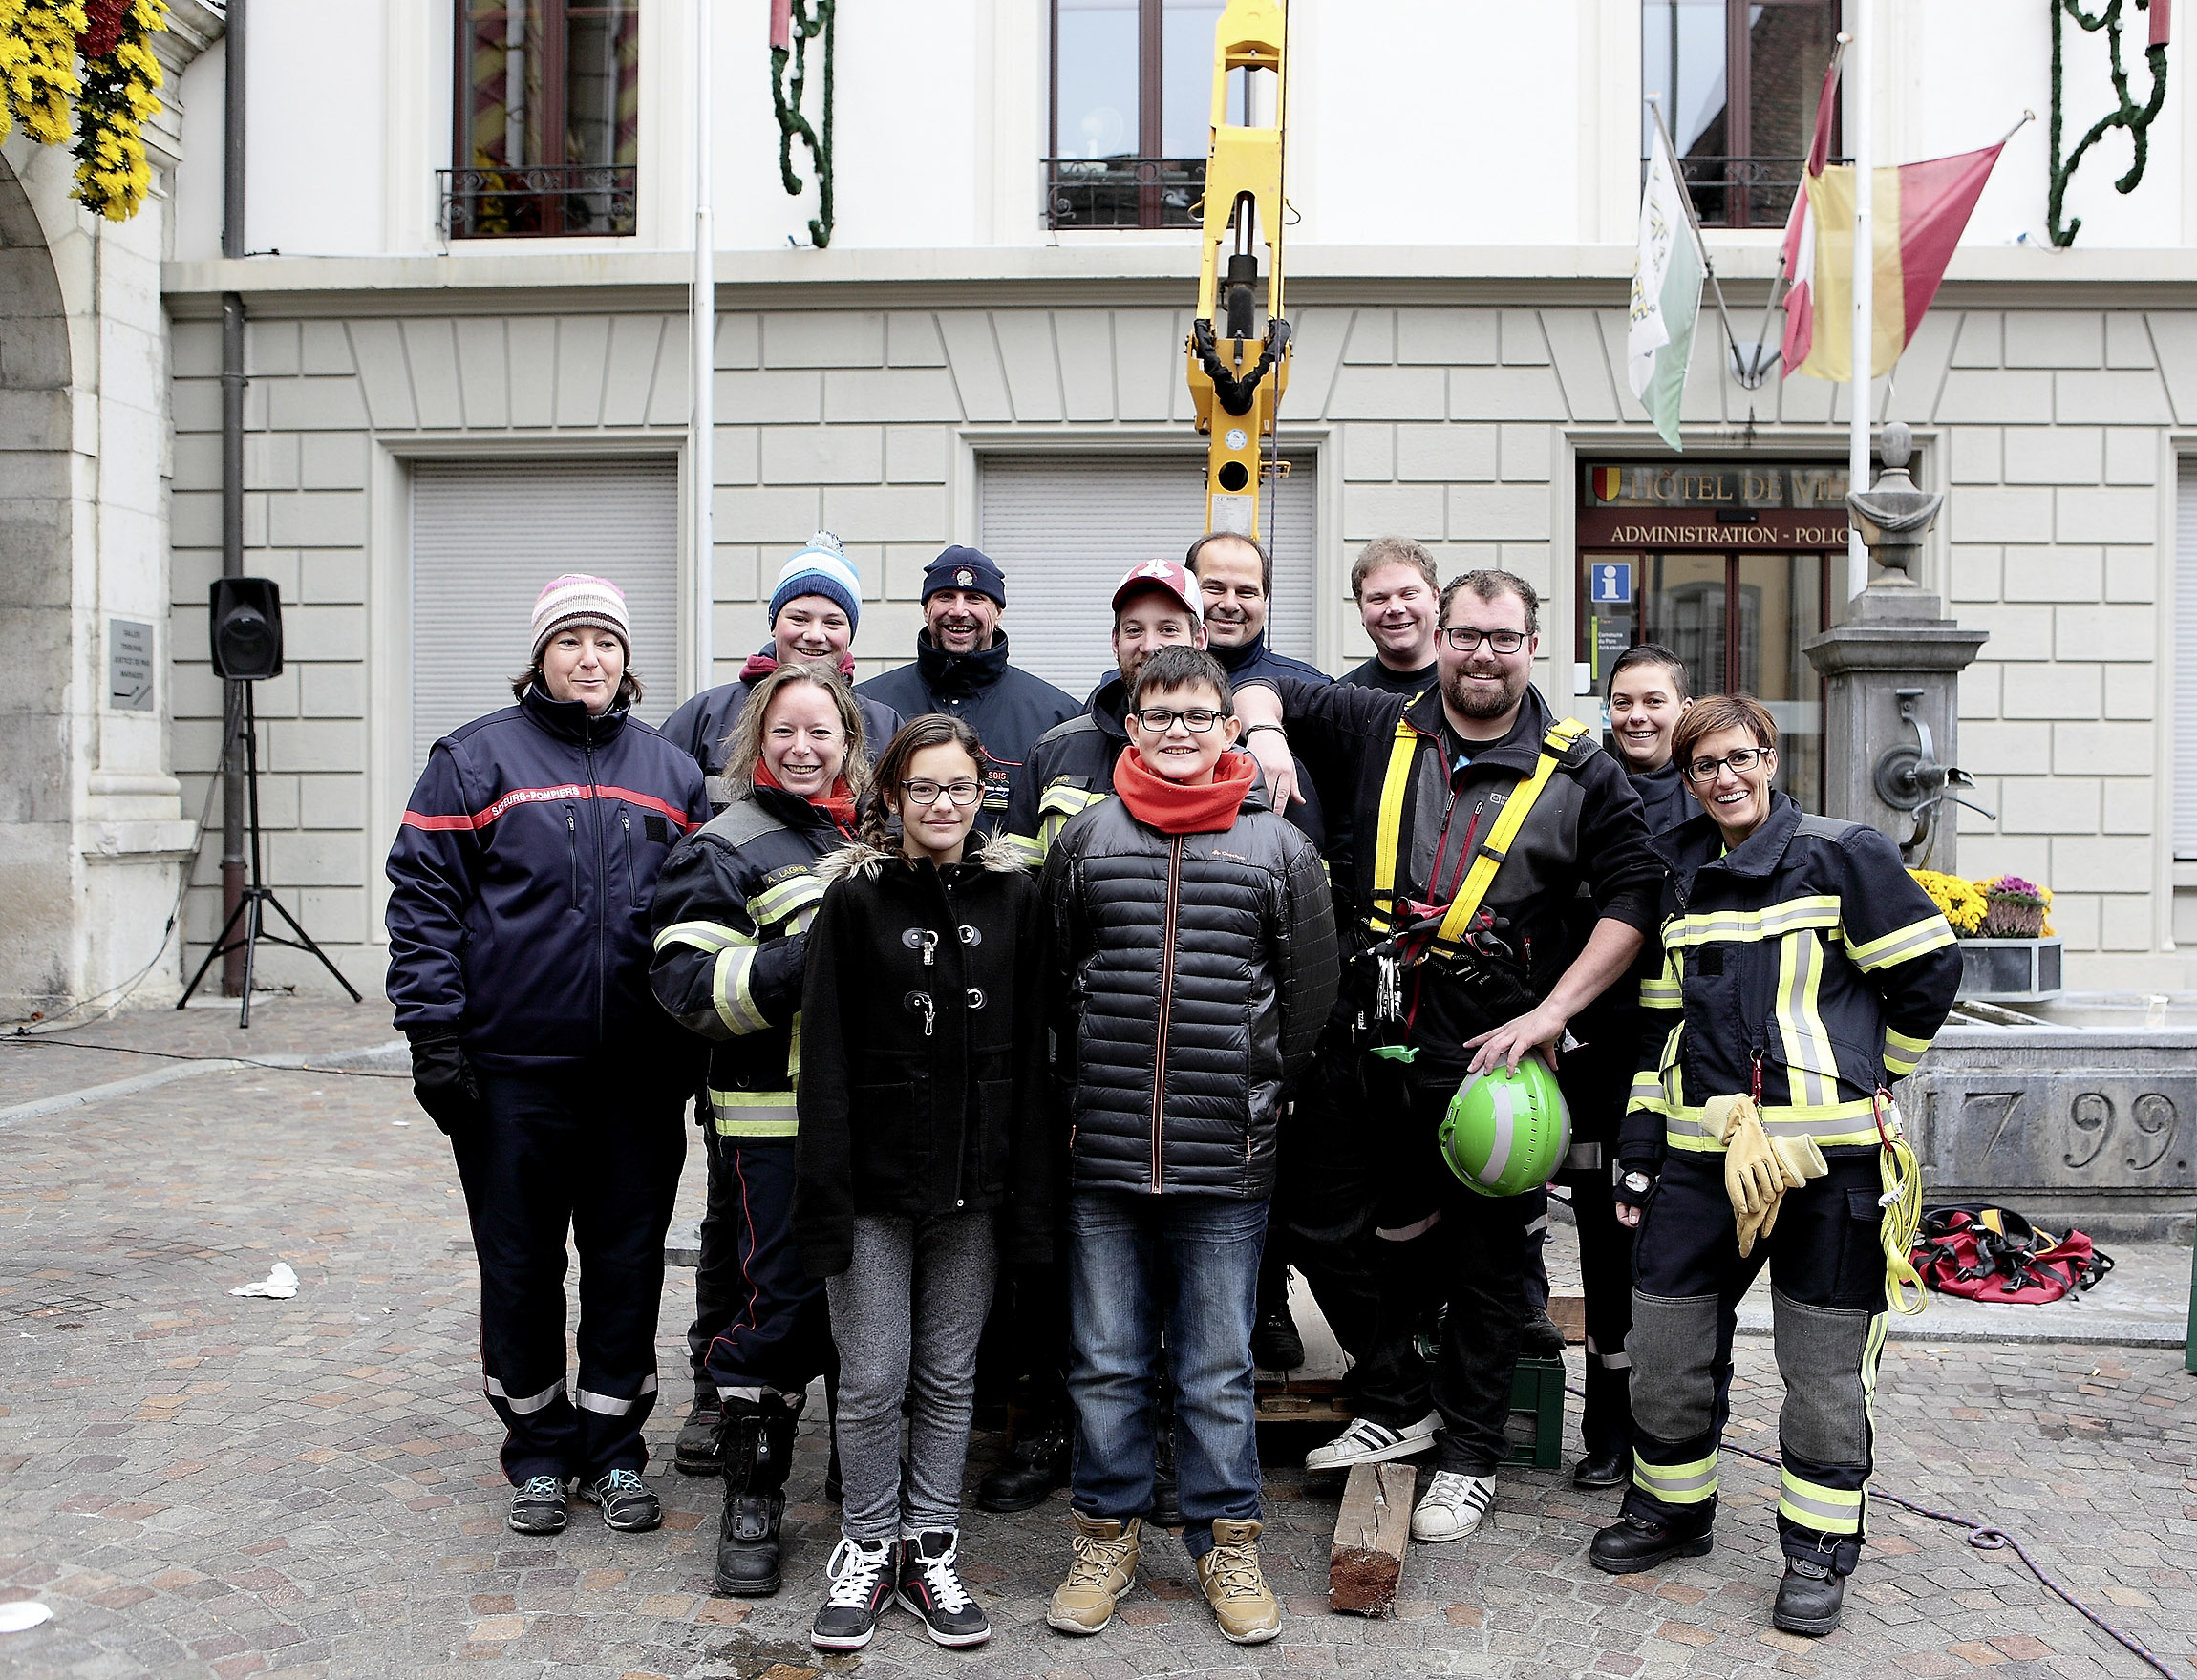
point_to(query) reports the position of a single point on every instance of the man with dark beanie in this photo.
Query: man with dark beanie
(961, 669)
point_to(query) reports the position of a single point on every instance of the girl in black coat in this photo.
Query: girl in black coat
(921, 1138)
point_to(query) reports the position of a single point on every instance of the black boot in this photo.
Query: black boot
(1602, 1467)
(1810, 1599)
(1275, 1344)
(699, 1450)
(1540, 1337)
(1635, 1543)
(759, 1451)
(1028, 1476)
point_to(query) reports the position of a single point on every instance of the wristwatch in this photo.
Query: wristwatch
(1253, 729)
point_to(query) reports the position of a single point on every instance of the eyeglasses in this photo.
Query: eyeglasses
(925, 793)
(1159, 720)
(1465, 639)
(1740, 759)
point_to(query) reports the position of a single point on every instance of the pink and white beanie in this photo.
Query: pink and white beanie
(579, 599)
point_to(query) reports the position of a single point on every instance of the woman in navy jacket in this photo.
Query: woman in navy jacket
(518, 967)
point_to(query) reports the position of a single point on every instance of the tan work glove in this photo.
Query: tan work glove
(1753, 1176)
(1798, 1161)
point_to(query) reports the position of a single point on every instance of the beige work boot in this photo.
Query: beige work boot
(1236, 1588)
(1103, 1569)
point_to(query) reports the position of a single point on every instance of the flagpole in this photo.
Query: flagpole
(1701, 245)
(1782, 281)
(1862, 23)
(701, 447)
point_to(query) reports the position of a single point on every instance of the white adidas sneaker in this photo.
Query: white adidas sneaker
(1453, 1506)
(1367, 1442)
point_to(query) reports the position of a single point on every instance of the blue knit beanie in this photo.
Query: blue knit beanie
(821, 567)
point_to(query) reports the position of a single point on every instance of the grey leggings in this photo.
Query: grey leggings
(907, 1313)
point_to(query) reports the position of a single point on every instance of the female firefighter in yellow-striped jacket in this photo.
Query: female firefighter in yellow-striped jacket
(1804, 969)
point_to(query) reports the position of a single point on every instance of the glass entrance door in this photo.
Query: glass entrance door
(1736, 620)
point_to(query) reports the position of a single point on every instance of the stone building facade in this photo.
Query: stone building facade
(429, 414)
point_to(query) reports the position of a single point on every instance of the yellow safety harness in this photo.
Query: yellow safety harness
(1555, 747)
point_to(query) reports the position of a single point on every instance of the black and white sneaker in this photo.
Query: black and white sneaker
(1367, 1442)
(861, 1587)
(629, 1504)
(538, 1505)
(930, 1586)
(1452, 1506)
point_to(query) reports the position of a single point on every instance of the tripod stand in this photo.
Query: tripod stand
(258, 896)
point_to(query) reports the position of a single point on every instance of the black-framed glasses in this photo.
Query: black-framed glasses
(1465, 639)
(925, 793)
(1198, 720)
(1740, 759)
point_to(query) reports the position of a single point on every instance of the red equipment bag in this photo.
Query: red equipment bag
(1985, 1253)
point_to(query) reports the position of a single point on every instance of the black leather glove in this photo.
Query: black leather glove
(443, 1083)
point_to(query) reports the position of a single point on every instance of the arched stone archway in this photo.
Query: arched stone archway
(39, 878)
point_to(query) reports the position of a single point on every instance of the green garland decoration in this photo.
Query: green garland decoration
(810, 19)
(2136, 118)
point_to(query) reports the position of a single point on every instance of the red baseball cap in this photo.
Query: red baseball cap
(1170, 575)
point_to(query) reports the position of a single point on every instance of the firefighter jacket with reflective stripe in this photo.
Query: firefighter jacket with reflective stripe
(1192, 974)
(1007, 707)
(1808, 953)
(732, 911)
(923, 1090)
(521, 883)
(1071, 769)
(700, 726)
(1585, 828)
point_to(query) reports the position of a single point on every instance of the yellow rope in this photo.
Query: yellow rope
(1901, 1175)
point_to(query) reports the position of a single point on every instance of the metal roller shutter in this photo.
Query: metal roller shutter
(1064, 530)
(487, 535)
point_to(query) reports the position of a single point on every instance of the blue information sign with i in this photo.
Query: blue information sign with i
(1610, 581)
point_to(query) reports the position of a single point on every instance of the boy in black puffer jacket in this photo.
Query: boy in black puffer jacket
(1193, 963)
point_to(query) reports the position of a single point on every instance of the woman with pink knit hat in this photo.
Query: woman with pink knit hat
(522, 881)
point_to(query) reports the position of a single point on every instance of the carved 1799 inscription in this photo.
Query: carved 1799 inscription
(2144, 1133)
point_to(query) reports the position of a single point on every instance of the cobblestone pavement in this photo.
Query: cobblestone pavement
(200, 1484)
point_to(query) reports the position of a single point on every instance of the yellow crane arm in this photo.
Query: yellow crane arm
(1238, 370)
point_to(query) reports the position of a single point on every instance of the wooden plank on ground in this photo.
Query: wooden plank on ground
(1371, 1535)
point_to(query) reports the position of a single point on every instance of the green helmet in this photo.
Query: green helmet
(1505, 1133)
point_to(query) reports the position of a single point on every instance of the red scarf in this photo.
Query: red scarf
(838, 804)
(761, 665)
(1171, 807)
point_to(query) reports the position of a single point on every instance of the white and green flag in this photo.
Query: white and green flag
(1666, 295)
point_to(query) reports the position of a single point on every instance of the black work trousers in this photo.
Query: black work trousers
(1443, 1247)
(1595, 1087)
(595, 1151)
(1325, 1198)
(760, 1321)
(1828, 1304)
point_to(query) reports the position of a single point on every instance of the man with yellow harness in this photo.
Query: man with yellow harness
(1477, 817)
(1802, 969)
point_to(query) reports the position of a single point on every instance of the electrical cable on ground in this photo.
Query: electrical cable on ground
(1985, 1538)
(24, 1036)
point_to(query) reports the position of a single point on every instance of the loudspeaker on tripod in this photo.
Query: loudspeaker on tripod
(246, 629)
(244, 634)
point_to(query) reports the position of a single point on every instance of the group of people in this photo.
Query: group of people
(1056, 1034)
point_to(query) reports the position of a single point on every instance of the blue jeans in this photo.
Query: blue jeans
(1139, 1264)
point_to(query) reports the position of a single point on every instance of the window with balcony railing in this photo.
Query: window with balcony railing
(1132, 110)
(1740, 156)
(548, 120)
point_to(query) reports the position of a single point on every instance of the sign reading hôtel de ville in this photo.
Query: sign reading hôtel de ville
(1663, 504)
